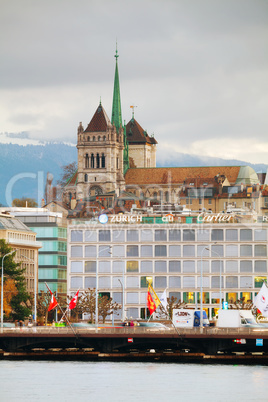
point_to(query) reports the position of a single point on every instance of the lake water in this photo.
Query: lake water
(116, 382)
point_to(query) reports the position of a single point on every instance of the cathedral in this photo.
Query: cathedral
(108, 148)
(117, 162)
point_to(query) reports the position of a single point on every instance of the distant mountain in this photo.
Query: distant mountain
(23, 169)
(187, 160)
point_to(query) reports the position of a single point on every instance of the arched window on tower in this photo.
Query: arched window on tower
(86, 178)
(102, 160)
(94, 139)
(167, 196)
(104, 138)
(99, 138)
(92, 161)
(98, 161)
(86, 161)
(155, 195)
(88, 138)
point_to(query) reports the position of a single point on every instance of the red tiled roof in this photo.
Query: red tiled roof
(136, 134)
(178, 175)
(99, 122)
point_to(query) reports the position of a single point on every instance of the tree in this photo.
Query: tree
(90, 303)
(24, 202)
(107, 306)
(10, 290)
(242, 304)
(42, 303)
(19, 302)
(80, 305)
(67, 172)
(173, 303)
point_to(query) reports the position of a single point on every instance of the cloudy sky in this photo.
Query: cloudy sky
(195, 69)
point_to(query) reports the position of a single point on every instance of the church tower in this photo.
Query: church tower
(102, 150)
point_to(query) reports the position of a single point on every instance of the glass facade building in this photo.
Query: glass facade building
(230, 257)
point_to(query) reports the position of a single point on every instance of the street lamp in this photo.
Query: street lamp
(35, 274)
(97, 285)
(2, 289)
(123, 287)
(215, 252)
(201, 287)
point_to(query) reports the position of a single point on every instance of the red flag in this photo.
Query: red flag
(152, 300)
(73, 302)
(53, 302)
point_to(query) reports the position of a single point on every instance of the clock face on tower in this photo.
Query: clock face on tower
(96, 190)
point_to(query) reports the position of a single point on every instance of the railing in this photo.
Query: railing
(210, 331)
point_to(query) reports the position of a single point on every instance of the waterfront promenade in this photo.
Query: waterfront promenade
(130, 343)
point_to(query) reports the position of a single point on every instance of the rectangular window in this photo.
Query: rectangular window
(176, 296)
(231, 297)
(132, 266)
(188, 235)
(146, 267)
(90, 236)
(174, 251)
(174, 235)
(231, 281)
(231, 266)
(217, 249)
(215, 281)
(132, 298)
(260, 250)
(189, 297)
(160, 282)
(76, 282)
(90, 266)
(76, 266)
(146, 235)
(231, 235)
(188, 266)
(189, 282)
(205, 266)
(132, 251)
(118, 251)
(217, 235)
(104, 251)
(104, 235)
(160, 251)
(118, 266)
(188, 251)
(246, 250)
(203, 250)
(76, 251)
(90, 282)
(258, 281)
(160, 235)
(76, 235)
(175, 282)
(246, 282)
(203, 235)
(146, 251)
(105, 282)
(260, 266)
(118, 236)
(144, 283)
(260, 234)
(132, 281)
(245, 234)
(117, 297)
(104, 266)
(231, 250)
(90, 251)
(174, 266)
(132, 235)
(160, 266)
(246, 266)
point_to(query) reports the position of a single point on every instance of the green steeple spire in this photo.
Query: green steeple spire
(116, 111)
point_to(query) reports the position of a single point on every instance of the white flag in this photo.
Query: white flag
(261, 300)
(163, 299)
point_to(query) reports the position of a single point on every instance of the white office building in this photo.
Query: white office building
(231, 258)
